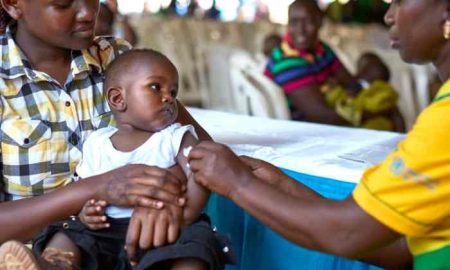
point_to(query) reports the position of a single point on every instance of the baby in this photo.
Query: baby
(374, 104)
(141, 87)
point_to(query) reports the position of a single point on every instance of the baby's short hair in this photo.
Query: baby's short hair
(270, 42)
(118, 68)
(370, 60)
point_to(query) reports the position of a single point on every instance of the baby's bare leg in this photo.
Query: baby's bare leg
(61, 251)
(189, 264)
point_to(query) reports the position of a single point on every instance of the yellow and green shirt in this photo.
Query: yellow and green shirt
(43, 124)
(410, 191)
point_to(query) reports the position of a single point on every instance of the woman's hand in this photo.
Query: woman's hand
(141, 185)
(152, 228)
(273, 176)
(264, 170)
(218, 169)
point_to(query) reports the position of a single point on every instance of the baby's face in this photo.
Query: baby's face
(151, 97)
(371, 72)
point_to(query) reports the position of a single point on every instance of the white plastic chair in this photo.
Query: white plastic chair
(273, 93)
(255, 94)
(249, 99)
(220, 96)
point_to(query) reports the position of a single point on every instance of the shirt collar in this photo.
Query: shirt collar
(289, 50)
(444, 92)
(92, 57)
(12, 63)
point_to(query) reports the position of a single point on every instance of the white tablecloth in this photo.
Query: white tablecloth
(321, 150)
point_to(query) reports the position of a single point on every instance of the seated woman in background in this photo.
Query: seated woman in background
(302, 64)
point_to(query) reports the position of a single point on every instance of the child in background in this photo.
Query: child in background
(371, 68)
(374, 105)
(105, 21)
(270, 42)
(111, 23)
(143, 102)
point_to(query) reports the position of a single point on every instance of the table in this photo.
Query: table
(328, 159)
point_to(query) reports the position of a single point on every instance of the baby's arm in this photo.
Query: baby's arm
(162, 226)
(197, 196)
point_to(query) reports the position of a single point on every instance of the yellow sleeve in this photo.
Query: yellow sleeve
(409, 192)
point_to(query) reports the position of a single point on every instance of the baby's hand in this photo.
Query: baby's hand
(93, 215)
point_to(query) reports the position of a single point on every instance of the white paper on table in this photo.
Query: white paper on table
(320, 164)
(265, 153)
(373, 154)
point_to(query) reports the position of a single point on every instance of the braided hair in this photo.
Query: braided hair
(4, 20)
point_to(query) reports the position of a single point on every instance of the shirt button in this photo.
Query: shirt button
(67, 104)
(73, 140)
(26, 141)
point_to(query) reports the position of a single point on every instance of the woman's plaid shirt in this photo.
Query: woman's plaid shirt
(43, 123)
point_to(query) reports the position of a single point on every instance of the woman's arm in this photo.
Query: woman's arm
(275, 177)
(312, 106)
(393, 256)
(127, 186)
(345, 78)
(185, 118)
(307, 219)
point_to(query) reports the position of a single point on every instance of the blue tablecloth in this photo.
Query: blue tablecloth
(259, 248)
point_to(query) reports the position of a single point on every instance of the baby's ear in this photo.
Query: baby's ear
(116, 99)
(12, 7)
